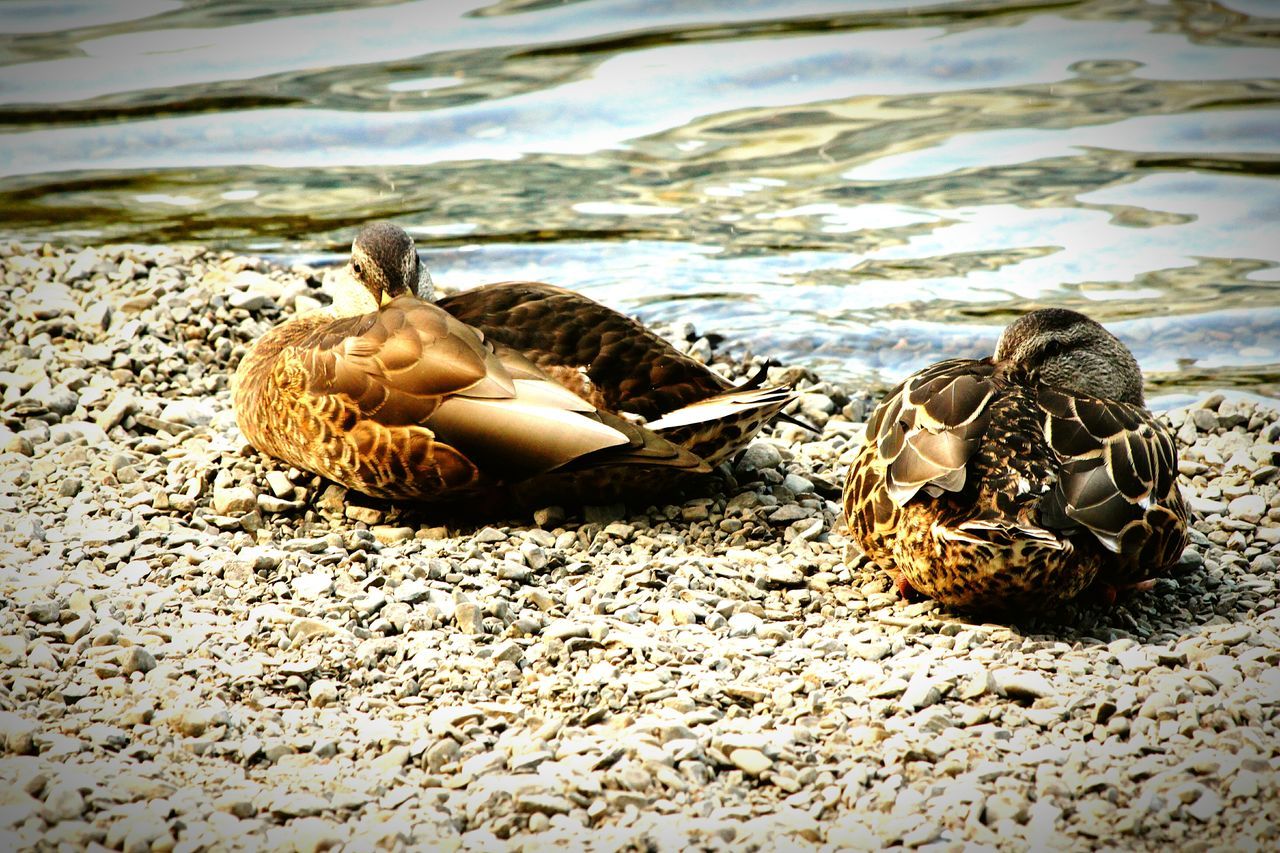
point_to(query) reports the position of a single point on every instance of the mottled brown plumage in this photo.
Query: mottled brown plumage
(391, 395)
(1018, 481)
(618, 365)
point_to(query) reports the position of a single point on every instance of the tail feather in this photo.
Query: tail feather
(718, 426)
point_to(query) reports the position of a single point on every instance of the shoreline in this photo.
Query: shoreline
(200, 647)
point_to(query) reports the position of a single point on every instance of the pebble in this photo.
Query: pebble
(312, 585)
(759, 456)
(1021, 684)
(753, 762)
(1248, 508)
(323, 692)
(136, 659)
(204, 648)
(234, 500)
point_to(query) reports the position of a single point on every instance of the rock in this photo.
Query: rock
(234, 500)
(753, 762)
(547, 804)
(136, 659)
(189, 412)
(389, 535)
(1020, 684)
(1248, 508)
(63, 802)
(781, 574)
(279, 484)
(676, 613)
(921, 691)
(744, 624)
(367, 515)
(759, 456)
(1206, 807)
(1005, 806)
(44, 612)
(322, 692)
(468, 616)
(548, 516)
(17, 733)
(310, 834)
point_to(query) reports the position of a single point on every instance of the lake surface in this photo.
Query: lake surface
(863, 187)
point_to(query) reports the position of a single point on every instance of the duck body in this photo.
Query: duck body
(391, 395)
(615, 363)
(983, 486)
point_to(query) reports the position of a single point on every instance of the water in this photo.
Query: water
(862, 187)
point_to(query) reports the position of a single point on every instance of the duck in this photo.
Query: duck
(1018, 481)
(516, 393)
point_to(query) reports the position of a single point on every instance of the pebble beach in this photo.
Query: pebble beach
(202, 649)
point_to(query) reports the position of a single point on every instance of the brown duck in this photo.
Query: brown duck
(1020, 480)
(513, 392)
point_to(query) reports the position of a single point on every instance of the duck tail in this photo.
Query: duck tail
(718, 426)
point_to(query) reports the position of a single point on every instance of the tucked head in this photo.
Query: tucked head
(385, 260)
(1068, 350)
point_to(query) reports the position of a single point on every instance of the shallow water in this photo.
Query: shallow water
(863, 187)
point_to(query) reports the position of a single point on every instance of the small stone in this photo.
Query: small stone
(921, 692)
(468, 616)
(136, 659)
(234, 500)
(753, 762)
(247, 301)
(1248, 508)
(1244, 785)
(759, 456)
(797, 485)
(189, 412)
(388, 535)
(1005, 806)
(312, 585)
(18, 733)
(371, 602)
(547, 804)
(1020, 684)
(548, 516)
(1204, 420)
(442, 752)
(508, 650)
(322, 692)
(365, 514)
(782, 574)
(63, 802)
(44, 612)
(676, 613)
(20, 445)
(1206, 807)
(744, 624)
(279, 484)
(311, 834)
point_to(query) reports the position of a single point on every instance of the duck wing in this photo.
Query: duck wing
(1117, 478)
(926, 430)
(601, 355)
(412, 365)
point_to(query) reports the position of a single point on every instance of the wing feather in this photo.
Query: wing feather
(928, 428)
(1117, 475)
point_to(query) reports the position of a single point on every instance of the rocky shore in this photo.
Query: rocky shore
(203, 650)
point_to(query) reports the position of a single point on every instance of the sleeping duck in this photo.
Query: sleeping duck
(1018, 481)
(515, 392)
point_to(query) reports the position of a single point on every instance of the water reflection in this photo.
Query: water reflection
(861, 187)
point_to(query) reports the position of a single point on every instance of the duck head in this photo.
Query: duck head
(1066, 349)
(385, 261)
